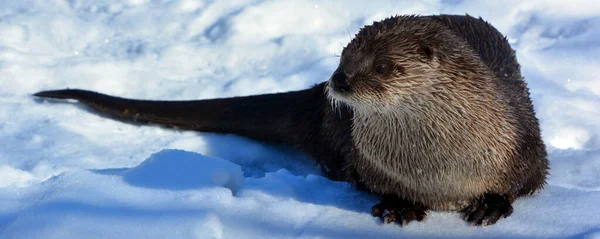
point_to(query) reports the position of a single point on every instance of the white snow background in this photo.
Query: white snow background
(66, 172)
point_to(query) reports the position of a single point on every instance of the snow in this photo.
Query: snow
(66, 172)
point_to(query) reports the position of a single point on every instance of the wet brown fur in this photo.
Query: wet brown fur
(448, 121)
(438, 127)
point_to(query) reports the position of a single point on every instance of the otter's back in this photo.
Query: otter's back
(487, 41)
(530, 163)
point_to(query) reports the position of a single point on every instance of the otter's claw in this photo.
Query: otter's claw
(488, 209)
(397, 210)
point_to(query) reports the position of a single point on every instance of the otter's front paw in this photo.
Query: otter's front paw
(397, 210)
(488, 209)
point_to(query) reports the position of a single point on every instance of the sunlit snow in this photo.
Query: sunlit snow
(66, 172)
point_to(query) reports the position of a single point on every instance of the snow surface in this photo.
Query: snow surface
(68, 173)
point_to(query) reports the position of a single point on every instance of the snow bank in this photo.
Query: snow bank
(177, 169)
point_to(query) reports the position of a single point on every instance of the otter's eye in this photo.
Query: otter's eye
(381, 69)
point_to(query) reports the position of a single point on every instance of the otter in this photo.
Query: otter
(426, 112)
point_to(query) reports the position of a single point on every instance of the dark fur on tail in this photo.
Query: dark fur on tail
(265, 117)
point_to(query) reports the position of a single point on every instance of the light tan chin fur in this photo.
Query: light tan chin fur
(442, 150)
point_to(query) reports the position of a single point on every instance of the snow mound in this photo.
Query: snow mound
(178, 169)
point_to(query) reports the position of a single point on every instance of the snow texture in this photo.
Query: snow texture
(66, 172)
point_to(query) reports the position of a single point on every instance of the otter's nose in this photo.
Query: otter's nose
(340, 82)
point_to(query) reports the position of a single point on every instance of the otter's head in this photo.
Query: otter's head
(389, 64)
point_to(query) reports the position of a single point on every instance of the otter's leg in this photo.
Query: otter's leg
(393, 209)
(488, 209)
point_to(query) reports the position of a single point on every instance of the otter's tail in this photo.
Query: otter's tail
(265, 117)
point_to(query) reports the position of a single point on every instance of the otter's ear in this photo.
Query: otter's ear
(426, 51)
